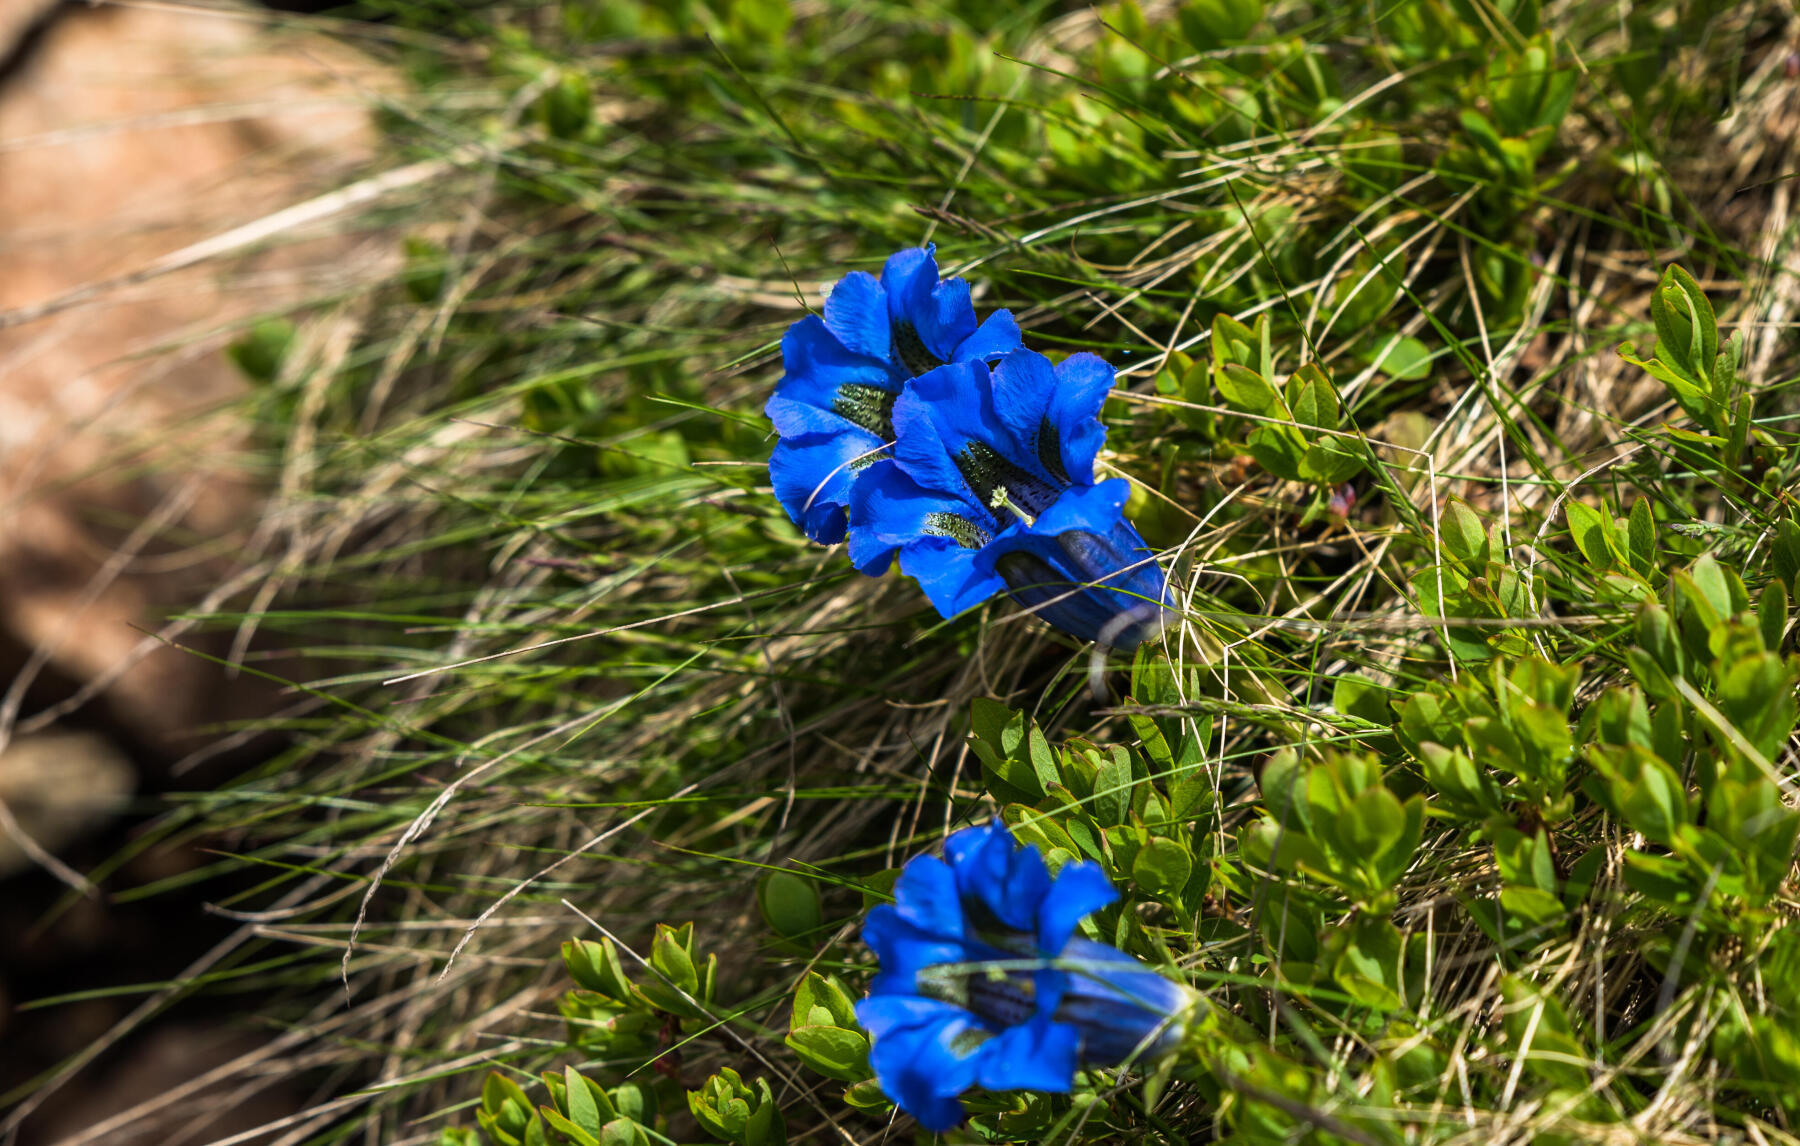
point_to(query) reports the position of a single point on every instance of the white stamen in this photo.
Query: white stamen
(1002, 500)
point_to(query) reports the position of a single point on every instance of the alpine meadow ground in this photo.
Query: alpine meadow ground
(1456, 802)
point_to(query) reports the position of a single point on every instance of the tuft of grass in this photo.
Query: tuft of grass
(1448, 825)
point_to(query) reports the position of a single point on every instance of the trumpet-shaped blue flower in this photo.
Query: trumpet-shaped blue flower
(983, 981)
(834, 404)
(991, 487)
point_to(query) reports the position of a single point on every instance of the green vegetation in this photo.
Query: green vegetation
(1456, 375)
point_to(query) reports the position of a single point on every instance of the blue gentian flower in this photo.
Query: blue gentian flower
(833, 406)
(983, 981)
(991, 487)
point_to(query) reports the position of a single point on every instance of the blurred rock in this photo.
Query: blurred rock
(127, 133)
(17, 18)
(58, 785)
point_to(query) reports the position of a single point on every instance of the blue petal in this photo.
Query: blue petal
(856, 312)
(1082, 383)
(816, 368)
(1081, 888)
(925, 896)
(1027, 883)
(1139, 586)
(1129, 977)
(951, 577)
(1093, 508)
(940, 313)
(889, 510)
(980, 864)
(997, 335)
(1084, 569)
(946, 320)
(936, 416)
(909, 277)
(1039, 1055)
(814, 474)
(1053, 413)
(904, 950)
(1123, 1009)
(955, 431)
(964, 844)
(1009, 881)
(882, 1015)
(1024, 383)
(916, 1059)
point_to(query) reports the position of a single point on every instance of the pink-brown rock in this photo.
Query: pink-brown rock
(131, 132)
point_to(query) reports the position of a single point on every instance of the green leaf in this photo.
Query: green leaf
(261, 351)
(1269, 844)
(635, 1102)
(1246, 391)
(588, 1106)
(1524, 861)
(1212, 24)
(1464, 788)
(1588, 528)
(1162, 867)
(1373, 823)
(681, 986)
(868, 1096)
(1315, 402)
(1463, 535)
(1664, 879)
(1465, 643)
(821, 1001)
(1189, 793)
(733, 1112)
(1538, 1031)
(1772, 615)
(1720, 588)
(1112, 789)
(1017, 772)
(1654, 801)
(568, 1128)
(1156, 745)
(595, 967)
(1756, 695)
(1481, 133)
(1331, 461)
(1369, 966)
(790, 905)
(506, 1114)
(1406, 359)
(1282, 782)
(623, 1132)
(1642, 531)
(1246, 346)
(1362, 698)
(1043, 760)
(1279, 450)
(1686, 328)
(1786, 553)
(671, 953)
(997, 729)
(832, 1051)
